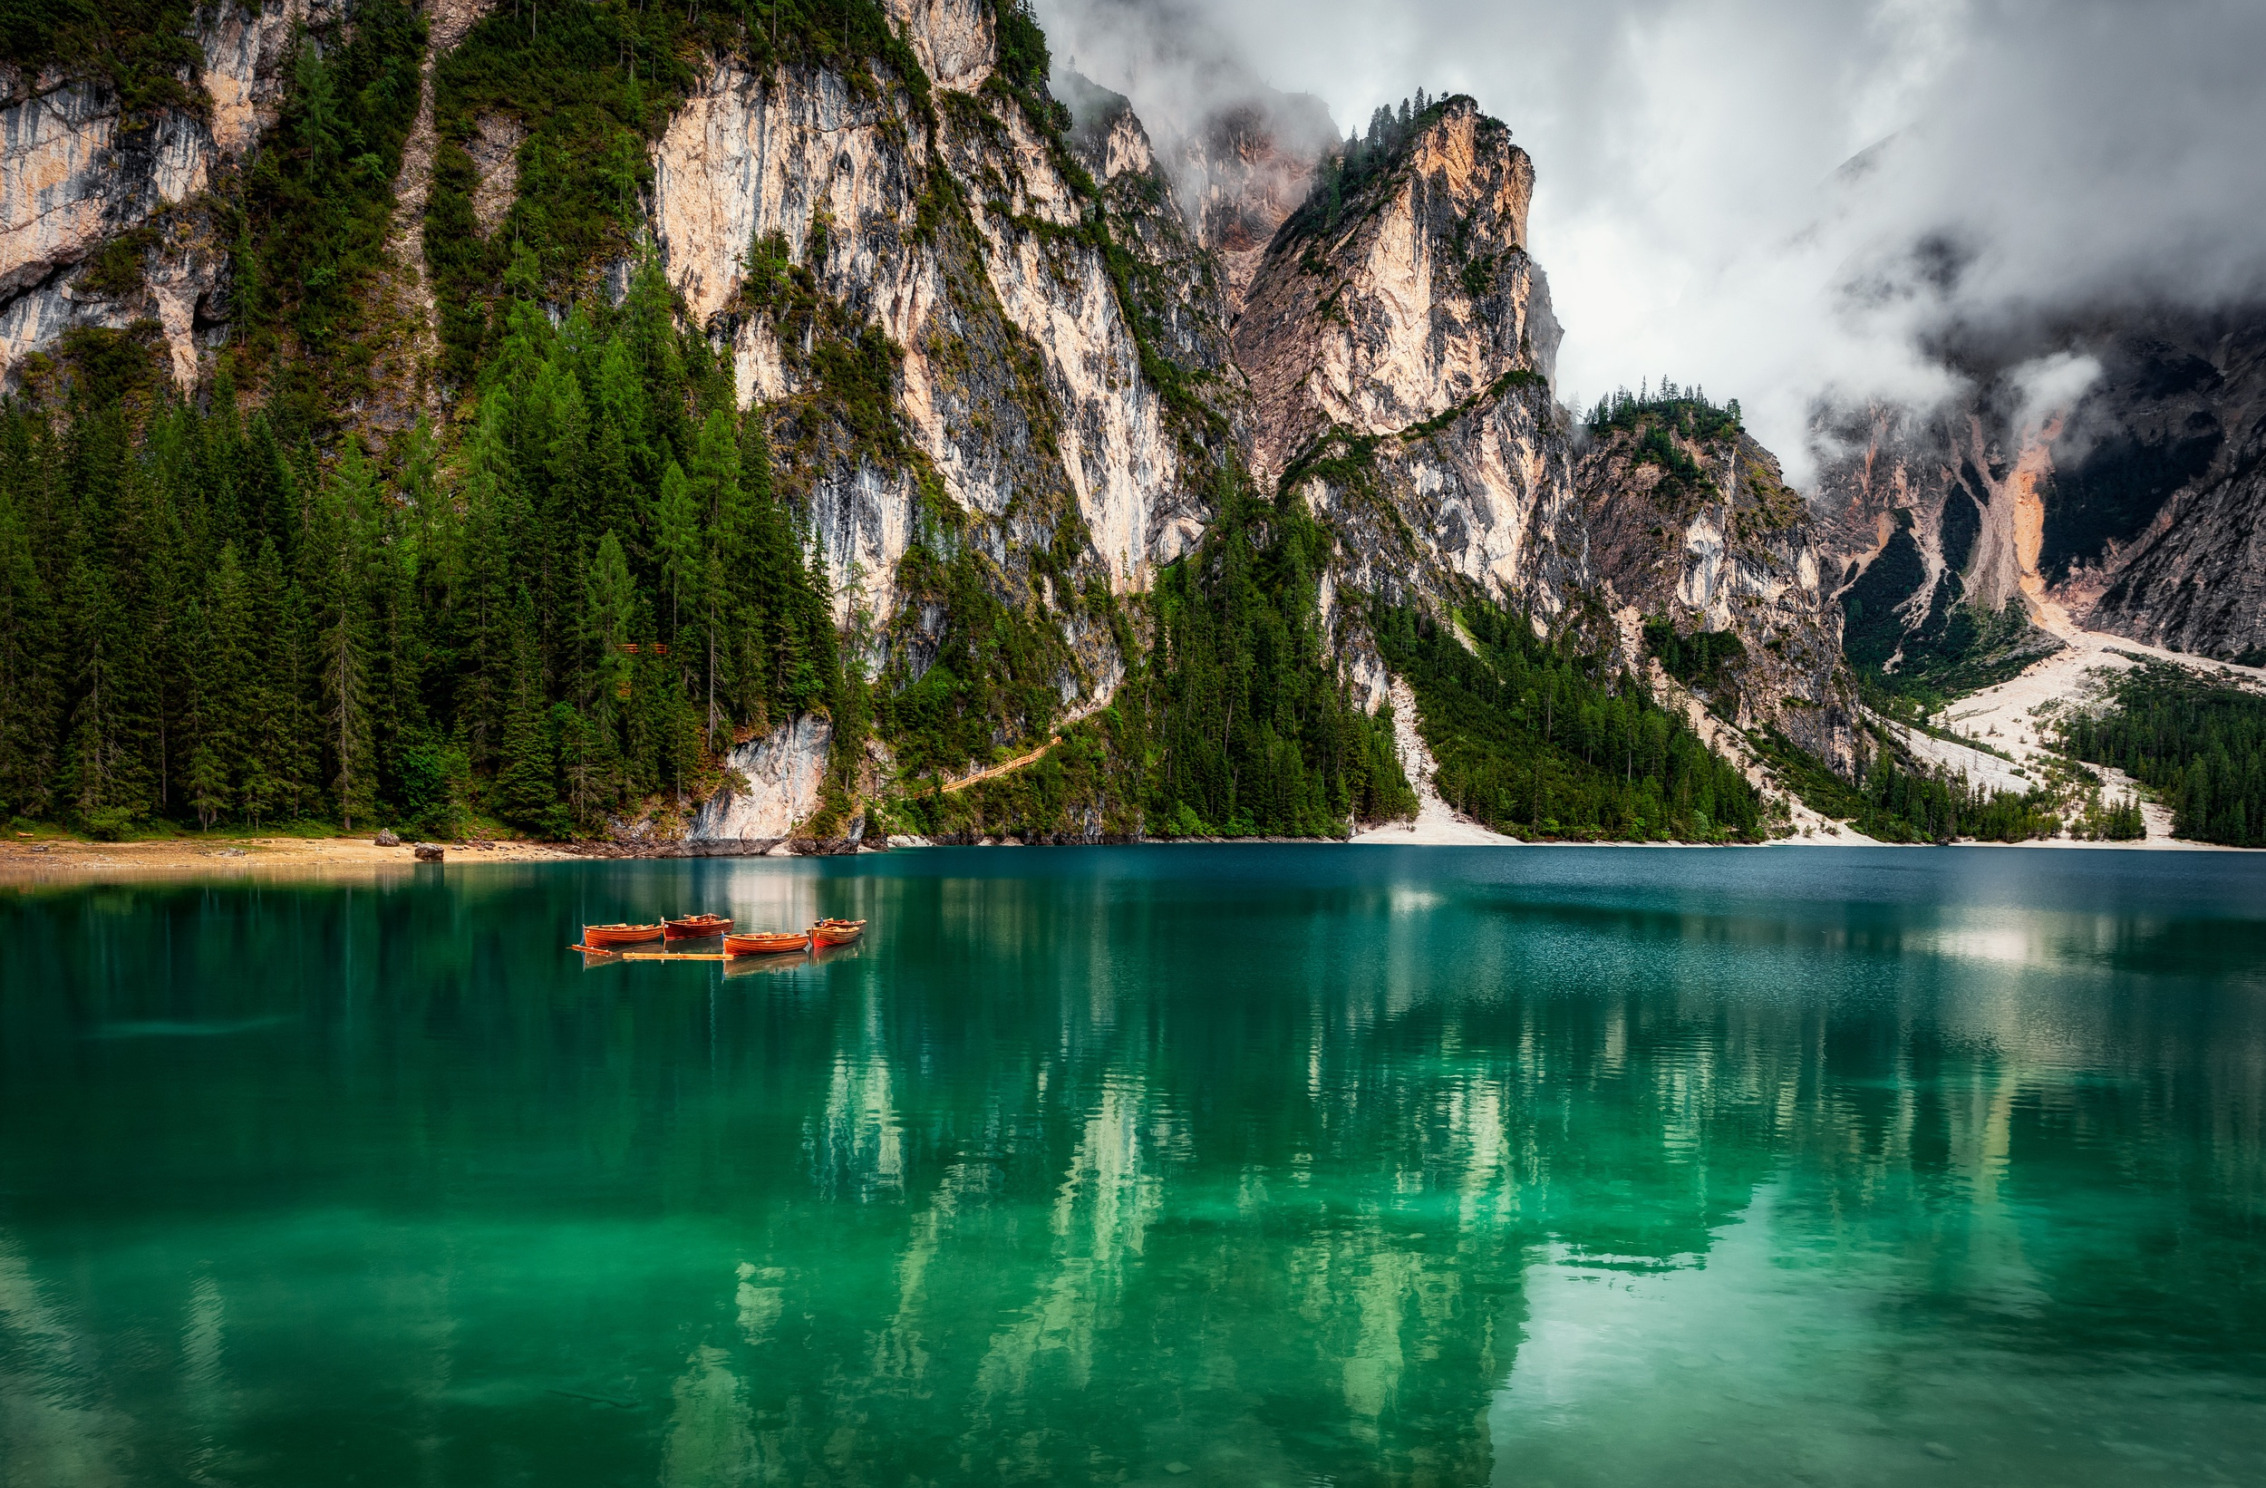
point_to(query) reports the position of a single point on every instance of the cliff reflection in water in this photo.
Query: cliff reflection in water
(1190, 1165)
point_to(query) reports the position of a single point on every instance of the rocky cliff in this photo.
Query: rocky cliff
(1023, 424)
(2126, 499)
(1006, 350)
(101, 222)
(1715, 544)
(1401, 348)
(2159, 505)
(1243, 169)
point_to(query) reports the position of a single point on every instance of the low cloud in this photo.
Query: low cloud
(1788, 200)
(2050, 387)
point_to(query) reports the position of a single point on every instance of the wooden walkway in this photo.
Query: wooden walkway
(954, 787)
(650, 955)
(1009, 768)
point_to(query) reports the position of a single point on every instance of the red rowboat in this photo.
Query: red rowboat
(836, 932)
(696, 927)
(765, 943)
(606, 937)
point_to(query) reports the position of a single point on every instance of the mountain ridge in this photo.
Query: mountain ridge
(1056, 442)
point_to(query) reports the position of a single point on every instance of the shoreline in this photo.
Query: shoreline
(23, 864)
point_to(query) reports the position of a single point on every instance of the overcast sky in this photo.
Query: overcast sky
(1696, 209)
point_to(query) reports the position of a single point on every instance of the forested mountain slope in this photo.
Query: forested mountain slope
(605, 420)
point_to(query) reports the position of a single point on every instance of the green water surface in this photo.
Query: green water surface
(1288, 1165)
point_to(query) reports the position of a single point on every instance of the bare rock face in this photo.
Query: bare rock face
(1931, 522)
(2177, 423)
(959, 238)
(1238, 160)
(956, 41)
(784, 774)
(1399, 350)
(1731, 553)
(1182, 286)
(2131, 507)
(1241, 173)
(494, 148)
(99, 215)
(1403, 304)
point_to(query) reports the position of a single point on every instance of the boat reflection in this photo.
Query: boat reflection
(744, 966)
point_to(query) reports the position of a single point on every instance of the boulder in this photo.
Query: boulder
(388, 839)
(428, 853)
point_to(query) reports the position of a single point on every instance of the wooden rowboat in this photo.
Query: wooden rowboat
(696, 927)
(836, 932)
(606, 937)
(766, 943)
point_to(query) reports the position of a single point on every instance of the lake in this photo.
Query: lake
(1187, 1165)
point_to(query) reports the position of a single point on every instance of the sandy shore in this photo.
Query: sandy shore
(27, 861)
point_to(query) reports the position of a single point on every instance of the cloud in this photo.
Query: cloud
(2050, 387)
(1784, 200)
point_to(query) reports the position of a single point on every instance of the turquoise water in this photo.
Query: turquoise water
(1170, 1165)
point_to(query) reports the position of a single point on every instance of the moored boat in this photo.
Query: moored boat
(696, 927)
(836, 932)
(606, 937)
(766, 943)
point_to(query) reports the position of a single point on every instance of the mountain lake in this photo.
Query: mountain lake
(1251, 1165)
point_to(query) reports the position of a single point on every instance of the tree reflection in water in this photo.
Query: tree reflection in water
(1178, 1165)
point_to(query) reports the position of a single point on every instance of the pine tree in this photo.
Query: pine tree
(720, 500)
(610, 614)
(282, 737)
(28, 694)
(231, 696)
(627, 468)
(342, 541)
(266, 493)
(204, 775)
(609, 617)
(578, 760)
(526, 792)
(677, 543)
(495, 519)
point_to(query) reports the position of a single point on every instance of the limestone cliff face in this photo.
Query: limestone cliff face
(2178, 423)
(781, 779)
(1734, 554)
(77, 178)
(1399, 354)
(1242, 171)
(837, 178)
(2131, 506)
(1932, 522)
(1412, 300)
(1180, 285)
(1033, 431)
(1019, 368)
(1238, 154)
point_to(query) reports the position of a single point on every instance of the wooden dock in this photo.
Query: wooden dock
(650, 955)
